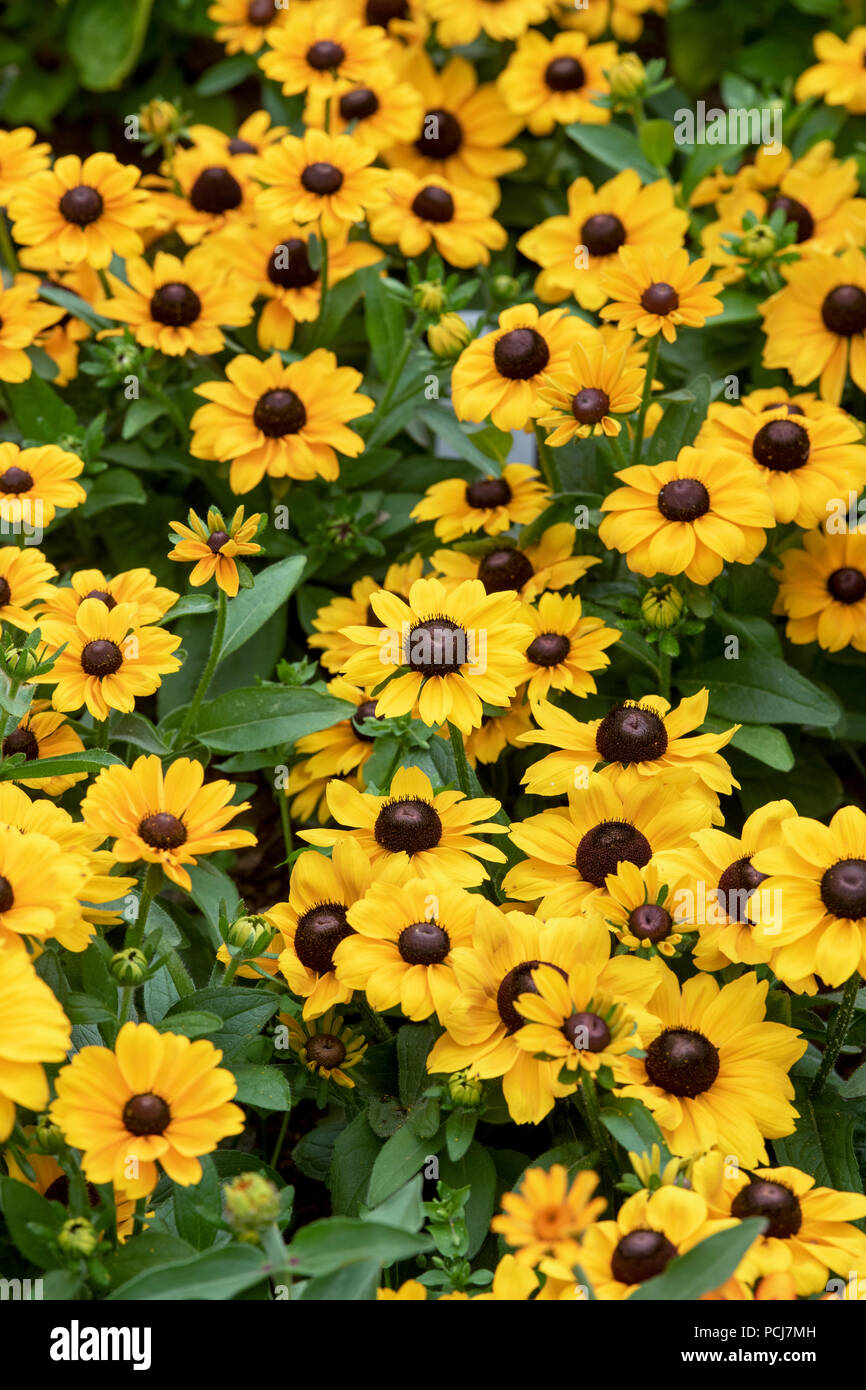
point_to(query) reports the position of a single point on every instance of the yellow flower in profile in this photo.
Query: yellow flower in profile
(23, 316)
(598, 384)
(156, 1098)
(320, 177)
(494, 504)
(548, 564)
(43, 733)
(501, 374)
(214, 544)
(108, 658)
(459, 22)
(656, 291)
(177, 306)
(548, 1216)
(381, 111)
(449, 652)
(20, 158)
(552, 82)
(283, 421)
(448, 336)
(409, 1292)
(424, 211)
(816, 325)
(245, 26)
(688, 515)
(498, 732)
(715, 1071)
(822, 590)
(650, 1230)
(33, 1030)
(166, 818)
(327, 1047)
(355, 609)
(438, 832)
(565, 647)
(323, 51)
(25, 584)
(81, 210)
(35, 482)
(839, 76)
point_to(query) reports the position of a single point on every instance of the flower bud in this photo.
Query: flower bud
(505, 288)
(758, 243)
(449, 336)
(429, 297)
(22, 664)
(159, 118)
(627, 77)
(662, 607)
(49, 1136)
(128, 967)
(251, 1202)
(250, 935)
(78, 1237)
(465, 1091)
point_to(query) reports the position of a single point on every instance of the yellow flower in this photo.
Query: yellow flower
(493, 504)
(822, 590)
(564, 648)
(839, 77)
(213, 546)
(20, 159)
(50, 1181)
(501, 374)
(448, 337)
(576, 1021)
(35, 482)
(177, 306)
(548, 564)
(816, 326)
(320, 176)
(61, 340)
(657, 291)
(108, 658)
(25, 581)
(421, 211)
(23, 316)
(245, 26)
(548, 1216)
(640, 906)
(216, 191)
(33, 1030)
(79, 211)
(43, 733)
(138, 588)
(598, 384)
(328, 1047)
(381, 111)
(354, 609)
(323, 51)
(650, 1230)
(554, 81)
(39, 880)
(458, 22)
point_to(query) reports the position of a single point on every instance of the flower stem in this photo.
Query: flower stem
(617, 451)
(149, 889)
(373, 1023)
(323, 284)
(101, 734)
(547, 466)
(278, 1147)
(645, 399)
(397, 370)
(287, 824)
(6, 246)
(207, 673)
(460, 759)
(593, 1117)
(665, 675)
(837, 1035)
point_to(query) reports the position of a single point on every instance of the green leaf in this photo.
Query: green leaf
(314, 1152)
(459, 1132)
(195, 1024)
(703, 1268)
(197, 1211)
(332, 1244)
(822, 1143)
(400, 1157)
(760, 690)
(215, 1276)
(23, 1207)
(384, 322)
(221, 77)
(614, 146)
(84, 1008)
(263, 716)
(117, 487)
(763, 742)
(353, 1283)
(403, 1209)
(264, 1087)
(476, 1171)
(355, 1152)
(252, 607)
(657, 142)
(39, 412)
(73, 304)
(414, 1042)
(91, 760)
(244, 1012)
(680, 423)
(104, 40)
(445, 425)
(740, 307)
(143, 1253)
(631, 1124)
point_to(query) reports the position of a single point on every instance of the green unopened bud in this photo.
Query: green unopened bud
(505, 288)
(429, 297)
(251, 1202)
(49, 1136)
(78, 1237)
(465, 1091)
(758, 243)
(449, 336)
(627, 77)
(250, 935)
(662, 607)
(128, 967)
(22, 664)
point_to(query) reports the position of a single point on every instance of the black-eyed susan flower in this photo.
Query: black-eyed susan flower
(23, 316)
(245, 26)
(346, 746)
(598, 384)
(636, 739)
(178, 306)
(166, 818)
(816, 325)
(327, 1046)
(355, 609)
(25, 584)
(35, 482)
(497, 732)
(624, 18)
(576, 1022)
(448, 651)
(565, 647)
(308, 792)
(809, 1229)
(530, 570)
(402, 19)
(651, 1229)
(429, 210)
(52, 1183)
(252, 136)
(283, 421)
(493, 504)
(323, 51)
(33, 1030)
(157, 1098)
(572, 850)
(688, 515)
(822, 590)
(402, 944)
(20, 158)
(819, 873)
(320, 177)
(43, 733)
(715, 1071)
(458, 22)
(574, 248)
(80, 210)
(554, 81)
(464, 129)
(548, 1215)
(839, 76)
(108, 658)
(213, 545)
(376, 109)
(439, 832)
(137, 587)
(216, 190)
(642, 907)
(39, 881)
(657, 291)
(501, 374)
(806, 460)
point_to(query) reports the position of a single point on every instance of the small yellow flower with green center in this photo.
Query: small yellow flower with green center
(429, 296)
(653, 1173)
(758, 243)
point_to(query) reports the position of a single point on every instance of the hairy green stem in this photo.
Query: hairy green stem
(207, 673)
(837, 1035)
(652, 360)
(460, 759)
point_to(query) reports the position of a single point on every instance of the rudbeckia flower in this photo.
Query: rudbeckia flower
(216, 191)
(25, 582)
(688, 515)
(715, 1072)
(354, 610)
(166, 818)
(448, 651)
(501, 374)
(438, 832)
(624, 18)
(816, 325)
(839, 76)
(177, 306)
(428, 210)
(657, 291)
(458, 22)
(20, 158)
(650, 1230)
(640, 906)
(33, 1030)
(80, 210)
(138, 588)
(23, 316)
(381, 111)
(548, 1215)
(39, 882)
(565, 647)
(253, 135)
(61, 341)
(108, 658)
(552, 82)
(822, 590)
(43, 733)
(320, 177)
(598, 384)
(498, 732)
(214, 545)
(35, 482)
(322, 51)
(494, 504)
(245, 26)
(576, 1021)
(327, 1047)
(283, 421)
(156, 1098)
(548, 564)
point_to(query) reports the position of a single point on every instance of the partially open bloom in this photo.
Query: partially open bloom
(214, 544)
(598, 384)
(548, 1216)
(327, 1047)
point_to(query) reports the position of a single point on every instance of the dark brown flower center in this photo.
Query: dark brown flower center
(504, 569)
(788, 407)
(488, 492)
(216, 540)
(7, 896)
(101, 658)
(548, 649)
(289, 265)
(359, 104)
(261, 12)
(587, 1032)
(423, 943)
(175, 305)
(366, 710)
(433, 205)
(629, 734)
(844, 310)
(325, 1051)
(605, 846)
(162, 831)
(736, 886)
(683, 499)
(408, 826)
(843, 889)
(438, 647)
(847, 585)
(774, 1202)
(381, 12)
(58, 1191)
(650, 922)
(325, 54)
(641, 1255)
(518, 981)
(602, 234)
(682, 1062)
(322, 179)
(564, 75)
(318, 934)
(590, 405)
(660, 298)
(146, 1114)
(104, 597)
(21, 741)
(239, 146)
(15, 480)
(215, 191)
(782, 445)
(441, 135)
(5, 592)
(279, 412)
(521, 354)
(81, 205)
(794, 212)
